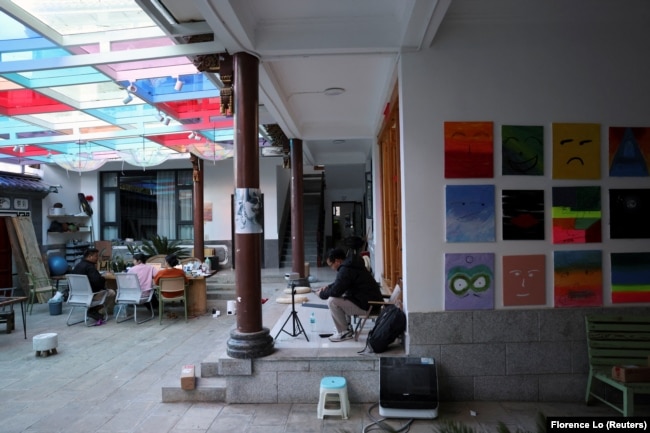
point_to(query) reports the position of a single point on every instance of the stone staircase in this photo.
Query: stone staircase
(311, 208)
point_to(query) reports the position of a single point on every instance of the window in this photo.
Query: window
(139, 205)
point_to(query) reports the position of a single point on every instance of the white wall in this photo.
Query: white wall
(579, 67)
(218, 186)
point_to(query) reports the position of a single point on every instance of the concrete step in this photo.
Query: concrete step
(208, 389)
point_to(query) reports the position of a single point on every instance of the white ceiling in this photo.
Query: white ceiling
(307, 46)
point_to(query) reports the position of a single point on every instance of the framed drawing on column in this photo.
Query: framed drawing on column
(368, 195)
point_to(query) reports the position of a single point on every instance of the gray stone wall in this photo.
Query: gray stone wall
(518, 355)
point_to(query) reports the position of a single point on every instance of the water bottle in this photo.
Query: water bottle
(312, 322)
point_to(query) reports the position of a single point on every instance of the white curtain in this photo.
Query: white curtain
(165, 200)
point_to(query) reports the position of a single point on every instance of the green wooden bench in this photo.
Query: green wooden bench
(617, 340)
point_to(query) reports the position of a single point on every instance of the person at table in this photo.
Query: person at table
(170, 270)
(88, 266)
(145, 273)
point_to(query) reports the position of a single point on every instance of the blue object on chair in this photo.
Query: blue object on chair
(58, 265)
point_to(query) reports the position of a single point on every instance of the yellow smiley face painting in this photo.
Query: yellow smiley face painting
(576, 151)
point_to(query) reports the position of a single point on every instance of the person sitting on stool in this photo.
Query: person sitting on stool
(350, 292)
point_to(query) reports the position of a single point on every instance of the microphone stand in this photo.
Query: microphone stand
(296, 325)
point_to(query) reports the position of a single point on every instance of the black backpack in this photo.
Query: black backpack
(389, 325)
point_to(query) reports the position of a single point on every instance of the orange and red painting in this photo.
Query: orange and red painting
(524, 280)
(469, 150)
(578, 278)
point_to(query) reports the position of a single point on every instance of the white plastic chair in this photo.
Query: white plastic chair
(81, 296)
(129, 293)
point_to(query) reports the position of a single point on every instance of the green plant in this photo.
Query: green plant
(162, 245)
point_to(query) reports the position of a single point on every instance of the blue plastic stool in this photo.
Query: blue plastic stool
(333, 389)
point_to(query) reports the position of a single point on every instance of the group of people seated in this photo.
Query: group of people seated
(148, 276)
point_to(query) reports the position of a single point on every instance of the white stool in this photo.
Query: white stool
(333, 389)
(45, 344)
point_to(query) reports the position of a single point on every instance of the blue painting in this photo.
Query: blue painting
(469, 281)
(470, 213)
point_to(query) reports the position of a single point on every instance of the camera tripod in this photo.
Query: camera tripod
(296, 325)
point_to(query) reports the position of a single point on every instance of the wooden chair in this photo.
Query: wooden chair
(38, 288)
(105, 254)
(129, 293)
(158, 258)
(82, 296)
(395, 298)
(171, 290)
(7, 312)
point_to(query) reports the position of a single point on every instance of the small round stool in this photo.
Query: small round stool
(333, 389)
(45, 344)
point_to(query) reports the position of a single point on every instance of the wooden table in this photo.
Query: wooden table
(197, 292)
(11, 300)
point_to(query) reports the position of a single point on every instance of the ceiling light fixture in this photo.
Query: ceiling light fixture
(191, 135)
(333, 91)
(338, 141)
(128, 98)
(179, 84)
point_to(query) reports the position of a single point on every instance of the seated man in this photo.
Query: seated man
(350, 292)
(88, 266)
(146, 274)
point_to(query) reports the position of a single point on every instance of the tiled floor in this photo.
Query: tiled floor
(108, 379)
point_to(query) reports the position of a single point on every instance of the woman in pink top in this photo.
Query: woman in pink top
(145, 272)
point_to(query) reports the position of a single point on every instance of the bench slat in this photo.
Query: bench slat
(617, 340)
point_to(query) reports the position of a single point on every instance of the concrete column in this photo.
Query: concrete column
(297, 210)
(250, 339)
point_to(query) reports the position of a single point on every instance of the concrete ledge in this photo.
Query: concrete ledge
(207, 390)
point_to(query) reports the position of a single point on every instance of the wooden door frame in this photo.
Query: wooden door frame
(390, 190)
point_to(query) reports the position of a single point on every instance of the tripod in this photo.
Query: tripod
(296, 325)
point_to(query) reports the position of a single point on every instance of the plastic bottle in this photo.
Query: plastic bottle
(312, 322)
(208, 265)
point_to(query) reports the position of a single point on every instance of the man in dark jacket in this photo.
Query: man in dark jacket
(88, 266)
(350, 292)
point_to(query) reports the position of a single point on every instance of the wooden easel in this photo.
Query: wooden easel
(27, 254)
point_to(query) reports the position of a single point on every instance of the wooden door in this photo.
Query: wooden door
(390, 181)
(5, 255)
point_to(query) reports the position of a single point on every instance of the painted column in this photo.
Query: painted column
(297, 210)
(249, 339)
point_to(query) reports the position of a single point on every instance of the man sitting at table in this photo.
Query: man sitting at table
(170, 270)
(88, 266)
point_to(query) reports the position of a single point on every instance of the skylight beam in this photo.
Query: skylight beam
(112, 57)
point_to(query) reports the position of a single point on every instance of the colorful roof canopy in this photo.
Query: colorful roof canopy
(99, 80)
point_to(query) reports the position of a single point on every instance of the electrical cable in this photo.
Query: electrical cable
(381, 424)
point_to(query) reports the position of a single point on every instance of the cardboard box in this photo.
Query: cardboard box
(188, 380)
(631, 373)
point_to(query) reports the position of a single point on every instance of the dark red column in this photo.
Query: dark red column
(197, 185)
(250, 339)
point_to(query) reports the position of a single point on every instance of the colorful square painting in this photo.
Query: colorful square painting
(630, 277)
(469, 281)
(469, 150)
(470, 213)
(524, 280)
(576, 151)
(522, 150)
(523, 214)
(629, 152)
(629, 213)
(577, 215)
(578, 279)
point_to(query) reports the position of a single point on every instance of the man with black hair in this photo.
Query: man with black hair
(88, 266)
(350, 292)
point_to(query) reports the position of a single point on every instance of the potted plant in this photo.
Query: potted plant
(162, 245)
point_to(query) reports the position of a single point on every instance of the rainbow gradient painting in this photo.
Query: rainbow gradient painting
(630, 277)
